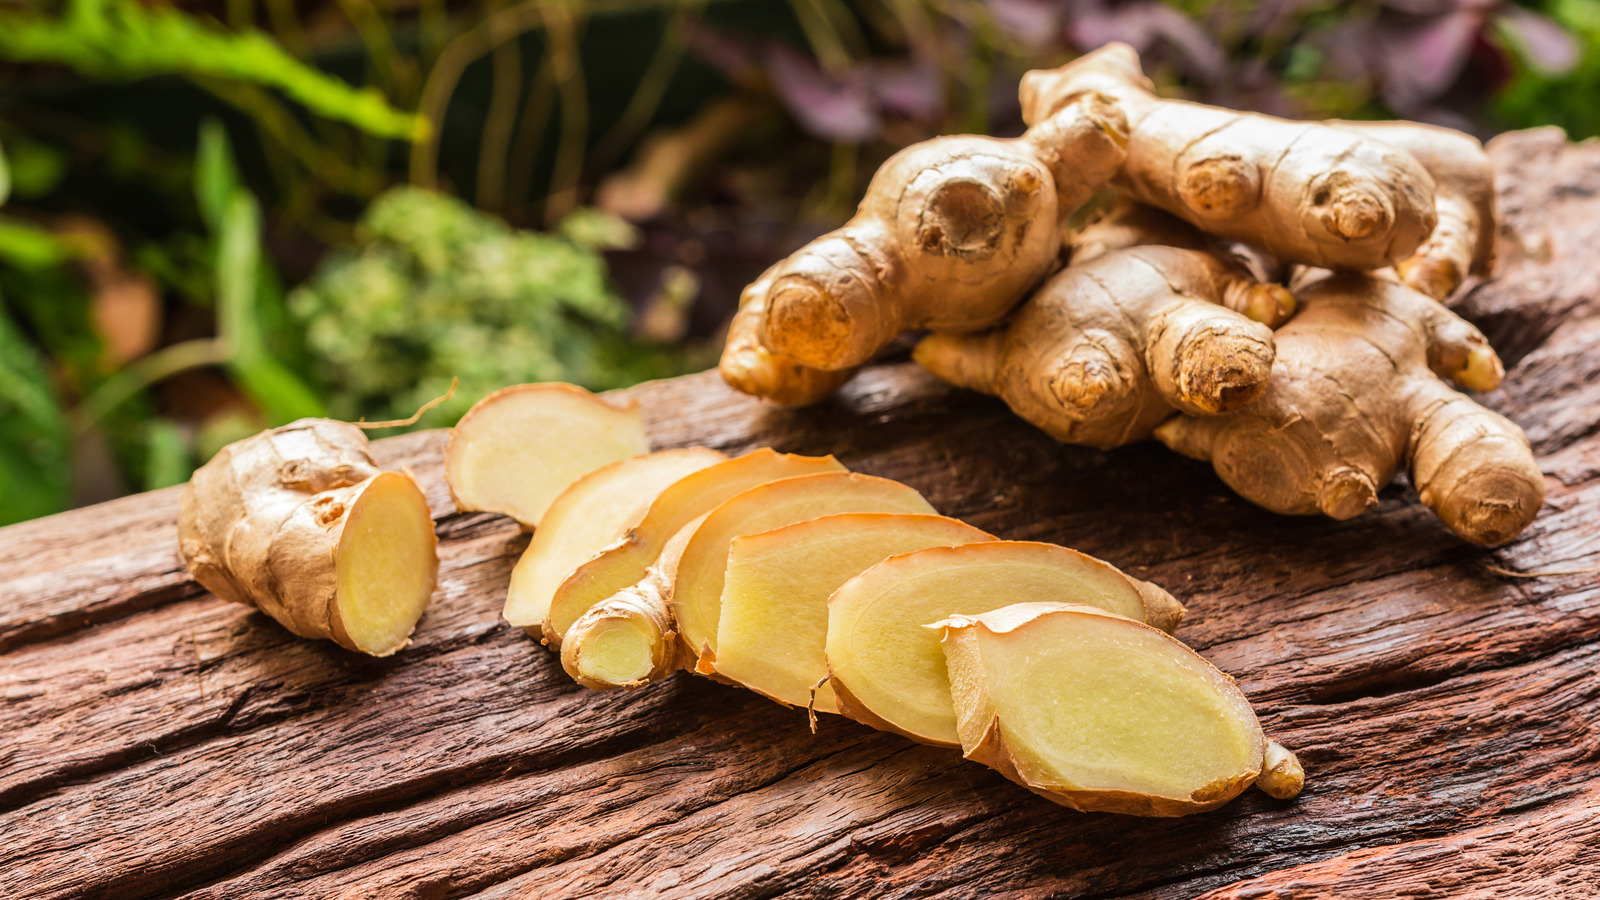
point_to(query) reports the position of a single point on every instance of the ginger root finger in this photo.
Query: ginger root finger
(1352, 397)
(1106, 349)
(518, 448)
(1101, 713)
(1306, 192)
(886, 667)
(299, 522)
(749, 367)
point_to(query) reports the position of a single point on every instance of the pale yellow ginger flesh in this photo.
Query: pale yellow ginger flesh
(694, 578)
(1100, 713)
(623, 565)
(299, 522)
(887, 669)
(594, 513)
(773, 629)
(517, 449)
(1307, 192)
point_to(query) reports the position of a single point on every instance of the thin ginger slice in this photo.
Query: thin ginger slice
(521, 446)
(774, 622)
(887, 670)
(1103, 714)
(591, 515)
(623, 565)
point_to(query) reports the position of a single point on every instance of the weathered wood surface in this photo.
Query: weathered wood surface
(155, 741)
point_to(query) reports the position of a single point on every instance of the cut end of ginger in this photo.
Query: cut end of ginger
(774, 623)
(1098, 712)
(387, 566)
(888, 670)
(516, 450)
(625, 642)
(594, 513)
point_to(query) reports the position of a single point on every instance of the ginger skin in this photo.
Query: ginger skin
(749, 367)
(1306, 192)
(1357, 390)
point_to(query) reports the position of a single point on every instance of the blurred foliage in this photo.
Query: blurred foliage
(221, 215)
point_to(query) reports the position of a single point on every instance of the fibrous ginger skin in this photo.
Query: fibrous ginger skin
(1306, 192)
(749, 367)
(518, 448)
(1356, 392)
(626, 641)
(1463, 241)
(1108, 348)
(950, 235)
(265, 524)
(1100, 713)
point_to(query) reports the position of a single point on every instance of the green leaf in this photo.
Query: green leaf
(30, 247)
(5, 178)
(167, 461)
(35, 447)
(215, 178)
(123, 39)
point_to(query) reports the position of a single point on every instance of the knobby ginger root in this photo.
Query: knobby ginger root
(300, 523)
(591, 515)
(1107, 348)
(886, 668)
(1355, 392)
(519, 447)
(626, 563)
(1307, 192)
(773, 628)
(685, 589)
(1463, 242)
(1104, 714)
(950, 235)
(748, 366)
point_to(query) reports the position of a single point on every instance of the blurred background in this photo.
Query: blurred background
(220, 215)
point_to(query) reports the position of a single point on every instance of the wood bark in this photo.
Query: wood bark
(155, 741)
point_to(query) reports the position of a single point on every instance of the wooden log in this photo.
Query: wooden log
(155, 741)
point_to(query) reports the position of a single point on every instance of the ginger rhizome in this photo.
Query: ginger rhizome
(300, 523)
(950, 235)
(773, 629)
(748, 366)
(1305, 191)
(519, 447)
(1101, 713)
(1357, 391)
(1109, 347)
(886, 667)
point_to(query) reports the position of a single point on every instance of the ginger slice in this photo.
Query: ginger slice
(624, 564)
(774, 624)
(298, 522)
(521, 446)
(1103, 714)
(591, 515)
(887, 670)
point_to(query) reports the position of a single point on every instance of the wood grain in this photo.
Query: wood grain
(157, 742)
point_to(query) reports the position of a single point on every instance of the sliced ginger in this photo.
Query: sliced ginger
(594, 513)
(886, 668)
(521, 446)
(774, 622)
(1104, 714)
(623, 565)
(299, 522)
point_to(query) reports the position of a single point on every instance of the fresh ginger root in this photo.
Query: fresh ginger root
(1355, 392)
(1463, 241)
(1107, 348)
(748, 366)
(885, 666)
(1101, 713)
(950, 235)
(521, 446)
(1306, 192)
(300, 523)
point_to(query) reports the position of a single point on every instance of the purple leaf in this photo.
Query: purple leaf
(832, 108)
(1420, 61)
(913, 90)
(731, 57)
(1032, 23)
(1544, 45)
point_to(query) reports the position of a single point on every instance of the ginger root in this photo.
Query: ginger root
(886, 668)
(519, 447)
(1355, 392)
(1307, 192)
(1107, 348)
(749, 367)
(300, 523)
(1101, 713)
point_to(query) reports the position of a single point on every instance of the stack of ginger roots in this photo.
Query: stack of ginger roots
(1262, 294)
